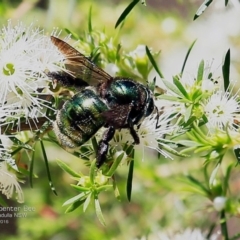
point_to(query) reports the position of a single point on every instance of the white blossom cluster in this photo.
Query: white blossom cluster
(26, 55)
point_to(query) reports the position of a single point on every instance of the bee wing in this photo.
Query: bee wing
(80, 66)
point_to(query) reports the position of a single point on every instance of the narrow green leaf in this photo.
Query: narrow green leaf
(90, 20)
(116, 191)
(81, 196)
(203, 148)
(226, 70)
(200, 71)
(151, 59)
(11, 162)
(94, 144)
(31, 169)
(92, 171)
(47, 168)
(213, 175)
(187, 143)
(115, 165)
(172, 87)
(126, 12)
(226, 179)
(180, 87)
(171, 150)
(197, 95)
(189, 122)
(67, 169)
(74, 206)
(226, 3)
(80, 188)
(195, 182)
(167, 97)
(187, 55)
(129, 180)
(202, 8)
(86, 203)
(99, 212)
(188, 113)
(73, 34)
(104, 188)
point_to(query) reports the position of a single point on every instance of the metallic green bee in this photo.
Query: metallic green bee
(102, 101)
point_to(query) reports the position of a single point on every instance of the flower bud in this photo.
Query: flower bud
(219, 203)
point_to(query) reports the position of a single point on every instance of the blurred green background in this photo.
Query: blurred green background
(159, 202)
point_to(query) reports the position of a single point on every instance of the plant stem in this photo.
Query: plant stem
(224, 226)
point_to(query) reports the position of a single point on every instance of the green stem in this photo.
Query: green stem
(224, 226)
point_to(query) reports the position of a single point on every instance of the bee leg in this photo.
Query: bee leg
(103, 146)
(133, 132)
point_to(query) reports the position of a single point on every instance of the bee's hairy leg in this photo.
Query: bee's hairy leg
(134, 135)
(103, 146)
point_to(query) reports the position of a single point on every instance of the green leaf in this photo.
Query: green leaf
(180, 87)
(213, 175)
(172, 87)
(187, 55)
(115, 165)
(80, 188)
(151, 59)
(226, 70)
(73, 34)
(188, 113)
(116, 191)
(187, 143)
(92, 171)
(31, 168)
(202, 8)
(126, 12)
(198, 185)
(167, 97)
(171, 150)
(90, 20)
(74, 206)
(226, 3)
(81, 196)
(94, 144)
(47, 168)
(67, 169)
(129, 180)
(200, 71)
(86, 203)
(99, 212)
(226, 179)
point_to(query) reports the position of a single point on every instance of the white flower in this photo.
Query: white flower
(221, 109)
(25, 55)
(150, 135)
(9, 183)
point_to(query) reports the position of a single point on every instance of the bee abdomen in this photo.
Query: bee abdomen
(79, 119)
